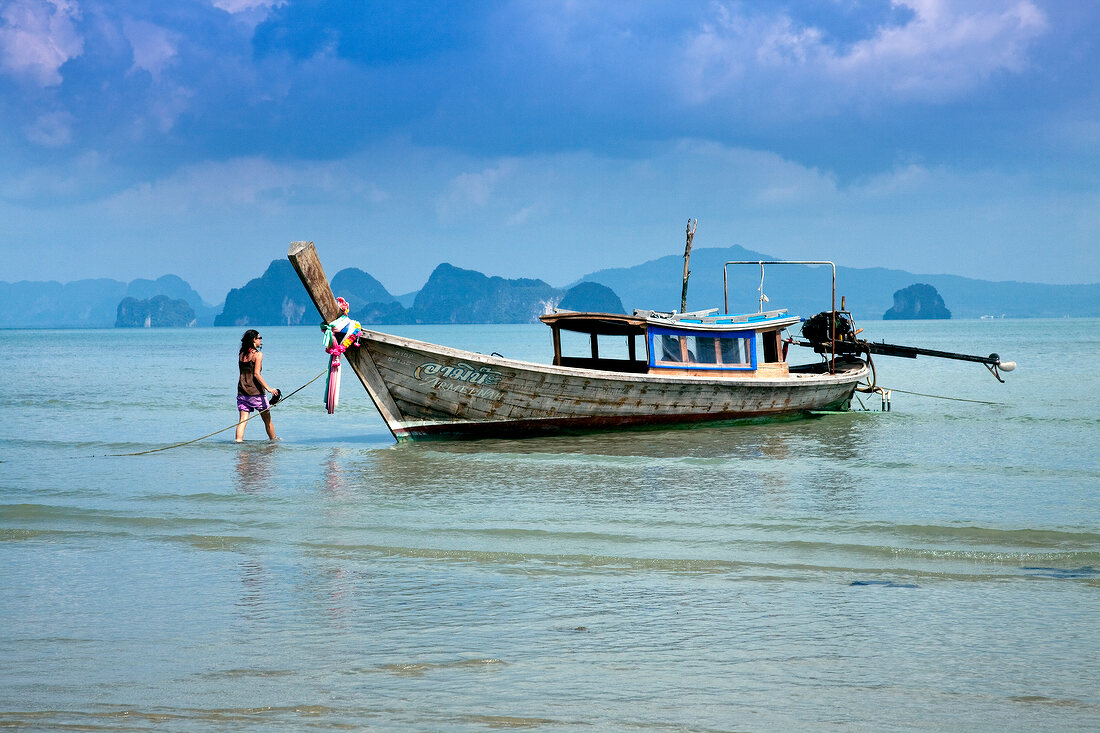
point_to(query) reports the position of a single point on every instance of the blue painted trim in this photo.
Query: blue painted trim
(654, 331)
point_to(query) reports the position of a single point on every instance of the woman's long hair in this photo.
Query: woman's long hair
(248, 342)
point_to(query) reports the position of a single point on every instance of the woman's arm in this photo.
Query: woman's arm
(260, 380)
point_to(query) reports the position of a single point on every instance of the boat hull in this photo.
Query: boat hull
(425, 391)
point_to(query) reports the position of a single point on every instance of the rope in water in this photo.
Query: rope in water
(872, 387)
(230, 427)
(941, 397)
(325, 371)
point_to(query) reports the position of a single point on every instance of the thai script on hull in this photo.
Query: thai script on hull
(459, 372)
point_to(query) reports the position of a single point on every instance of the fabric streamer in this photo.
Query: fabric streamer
(339, 335)
(332, 385)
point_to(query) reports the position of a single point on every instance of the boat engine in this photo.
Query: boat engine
(817, 331)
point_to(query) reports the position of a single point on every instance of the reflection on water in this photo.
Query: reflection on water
(254, 583)
(735, 461)
(933, 568)
(335, 478)
(254, 468)
(340, 608)
(836, 435)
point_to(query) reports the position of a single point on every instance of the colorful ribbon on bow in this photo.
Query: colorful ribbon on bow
(338, 336)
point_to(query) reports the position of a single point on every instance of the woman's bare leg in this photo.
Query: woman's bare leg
(240, 425)
(266, 416)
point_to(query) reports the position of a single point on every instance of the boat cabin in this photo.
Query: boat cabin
(701, 343)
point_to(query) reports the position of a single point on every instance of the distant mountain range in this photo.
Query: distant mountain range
(805, 290)
(451, 295)
(455, 295)
(89, 303)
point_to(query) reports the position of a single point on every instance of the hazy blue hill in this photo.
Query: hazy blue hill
(374, 313)
(454, 295)
(81, 303)
(359, 289)
(974, 298)
(919, 301)
(160, 311)
(805, 290)
(276, 298)
(592, 297)
(91, 303)
(175, 288)
(657, 284)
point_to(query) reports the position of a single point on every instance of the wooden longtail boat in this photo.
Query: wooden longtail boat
(695, 367)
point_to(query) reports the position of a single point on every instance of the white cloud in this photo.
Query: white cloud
(249, 12)
(256, 184)
(154, 47)
(52, 130)
(37, 37)
(54, 184)
(241, 6)
(170, 106)
(946, 49)
(473, 190)
(559, 216)
(522, 216)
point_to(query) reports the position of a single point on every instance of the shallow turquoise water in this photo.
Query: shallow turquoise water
(935, 567)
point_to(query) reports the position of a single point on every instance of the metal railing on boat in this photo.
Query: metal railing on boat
(761, 263)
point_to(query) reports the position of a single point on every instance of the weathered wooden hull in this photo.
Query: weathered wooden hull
(428, 391)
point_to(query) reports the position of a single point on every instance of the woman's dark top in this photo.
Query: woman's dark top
(246, 385)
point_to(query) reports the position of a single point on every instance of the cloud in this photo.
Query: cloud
(37, 37)
(522, 216)
(52, 130)
(254, 183)
(243, 6)
(552, 216)
(468, 191)
(54, 187)
(153, 47)
(250, 13)
(944, 50)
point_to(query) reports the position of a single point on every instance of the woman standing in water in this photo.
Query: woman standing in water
(251, 387)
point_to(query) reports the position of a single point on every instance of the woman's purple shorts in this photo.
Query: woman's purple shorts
(248, 403)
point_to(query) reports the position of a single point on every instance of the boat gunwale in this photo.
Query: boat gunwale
(856, 371)
(616, 324)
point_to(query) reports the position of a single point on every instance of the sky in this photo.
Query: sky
(546, 138)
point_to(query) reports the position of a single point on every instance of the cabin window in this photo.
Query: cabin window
(614, 347)
(705, 349)
(702, 349)
(672, 349)
(736, 350)
(773, 346)
(610, 352)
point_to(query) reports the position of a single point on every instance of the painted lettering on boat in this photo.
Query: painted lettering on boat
(460, 372)
(487, 393)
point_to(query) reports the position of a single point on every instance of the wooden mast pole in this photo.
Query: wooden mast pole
(303, 256)
(687, 256)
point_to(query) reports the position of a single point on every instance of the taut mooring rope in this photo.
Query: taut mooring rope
(230, 427)
(941, 397)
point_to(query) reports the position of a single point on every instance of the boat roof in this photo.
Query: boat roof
(710, 320)
(611, 324)
(619, 324)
